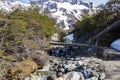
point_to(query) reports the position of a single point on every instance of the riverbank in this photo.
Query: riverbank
(83, 69)
(64, 66)
(40, 66)
(14, 67)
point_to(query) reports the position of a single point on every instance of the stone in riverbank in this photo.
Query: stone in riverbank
(40, 57)
(84, 69)
(69, 76)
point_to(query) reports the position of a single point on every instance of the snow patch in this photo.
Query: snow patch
(66, 12)
(9, 6)
(69, 37)
(116, 44)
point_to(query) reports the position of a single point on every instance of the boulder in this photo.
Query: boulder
(61, 70)
(40, 57)
(87, 73)
(52, 77)
(34, 77)
(109, 54)
(17, 70)
(59, 74)
(69, 76)
(27, 78)
(79, 63)
(74, 76)
(94, 78)
(102, 76)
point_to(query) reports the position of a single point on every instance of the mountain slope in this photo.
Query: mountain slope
(66, 12)
(9, 5)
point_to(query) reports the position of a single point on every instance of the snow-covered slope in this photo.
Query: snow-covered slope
(9, 5)
(66, 12)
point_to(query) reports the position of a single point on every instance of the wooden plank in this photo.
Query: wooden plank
(76, 44)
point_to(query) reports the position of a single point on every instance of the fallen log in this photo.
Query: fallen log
(107, 29)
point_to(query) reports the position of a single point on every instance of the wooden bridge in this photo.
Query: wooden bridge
(75, 44)
(100, 51)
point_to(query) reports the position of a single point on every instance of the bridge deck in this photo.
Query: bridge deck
(76, 44)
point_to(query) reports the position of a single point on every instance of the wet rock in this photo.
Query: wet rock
(59, 74)
(79, 63)
(27, 78)
(102, 76)
(54, 67)
(61, 70)
(60, 65)
(66, 66)
(83, 58)
(2, 78)
(68, 58)
(77, 58)
(40, 57)
(46, 66)
(51, 77)
(93, 78)
(96, 65)
(71, 59)
(74, 76)
(1, 61)
(72, 66)
(87, 72)
(95, 74)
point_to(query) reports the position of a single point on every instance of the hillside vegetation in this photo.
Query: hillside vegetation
(24, 34)
(22, 30)
(91, 25)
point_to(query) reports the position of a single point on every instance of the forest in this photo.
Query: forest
(106, 17)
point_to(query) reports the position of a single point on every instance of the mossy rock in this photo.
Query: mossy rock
(17, 70)
(40, 66)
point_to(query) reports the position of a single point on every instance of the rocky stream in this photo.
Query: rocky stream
(64, 66)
